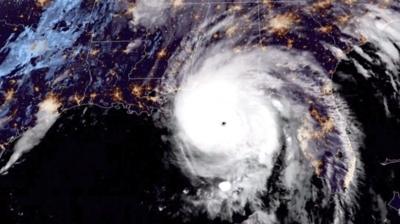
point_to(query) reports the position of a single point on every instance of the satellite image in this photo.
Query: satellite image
(200, 111)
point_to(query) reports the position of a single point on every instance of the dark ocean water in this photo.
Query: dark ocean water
(382, 135)
(99, 165)
(105, 165)
(93, 166)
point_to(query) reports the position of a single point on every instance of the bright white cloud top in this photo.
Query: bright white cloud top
(228, 129)
(236, 115)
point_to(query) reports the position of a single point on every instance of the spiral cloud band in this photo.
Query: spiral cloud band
(236, 115)
(257, 114)
(259, 128)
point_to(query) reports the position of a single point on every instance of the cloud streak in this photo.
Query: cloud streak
(45, 118)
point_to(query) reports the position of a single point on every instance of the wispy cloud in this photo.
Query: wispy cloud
(45, 118)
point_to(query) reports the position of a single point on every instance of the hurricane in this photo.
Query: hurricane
(255, 119)
(255, 97)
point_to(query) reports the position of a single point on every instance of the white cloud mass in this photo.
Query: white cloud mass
(45, 118)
